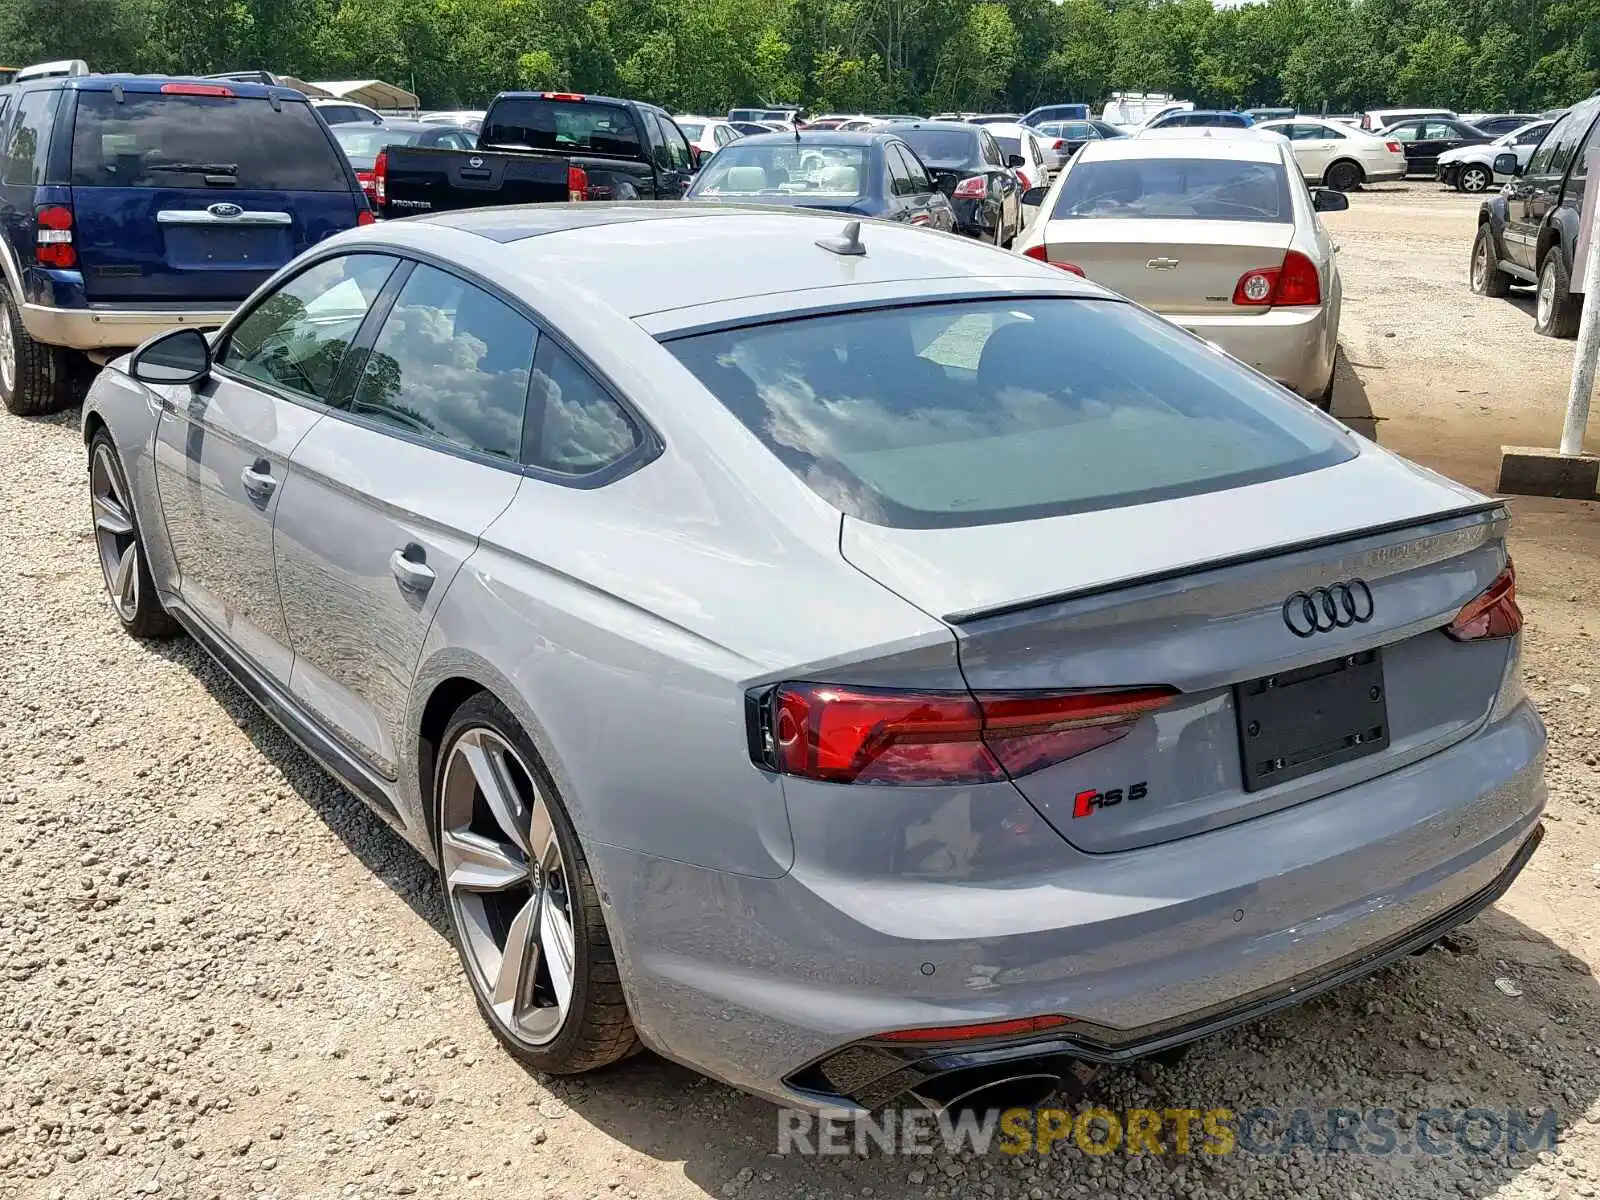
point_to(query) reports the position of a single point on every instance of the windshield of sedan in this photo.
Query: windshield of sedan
(1004, 410)
(785, 169)
(943, 147)
(1201, 189)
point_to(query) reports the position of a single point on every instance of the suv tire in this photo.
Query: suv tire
(1484, 275)
(34, 378)
(1344, 176)
(1556, 310)
(514, 872)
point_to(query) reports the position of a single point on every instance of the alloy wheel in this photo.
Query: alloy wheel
(1480, 264)
(114, 534)
(8, 353)
(1474, 179)
(1547, 296)
(508, 886)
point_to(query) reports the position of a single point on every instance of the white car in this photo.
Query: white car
(1340, 156)
(1471, 168)
(1375, 119)
(1023, 142)
(1218, 234)
(345, 112)
(707, 134)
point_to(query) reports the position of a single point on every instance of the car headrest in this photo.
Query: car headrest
(746, 179)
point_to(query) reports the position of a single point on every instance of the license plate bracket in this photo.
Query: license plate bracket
(1298, 722)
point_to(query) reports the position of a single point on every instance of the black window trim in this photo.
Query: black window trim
(651, 445)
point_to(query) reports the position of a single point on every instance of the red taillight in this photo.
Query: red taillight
(380, 177)
(1295, 282)
(851, 735)
(1394, 147)
(562, 95)
(1038, 254)
(1493, 614)
(195, 89)
(577, 184)
(974, 187)
(1058, 144)
(53, 239)
(365, 217)
(986, 1029)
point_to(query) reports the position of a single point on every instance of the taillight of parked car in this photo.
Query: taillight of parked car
(1058, 144)
(577, 184)
(1295, 282)
(380, 178)
(1394, 147)
(973, 187)
(1492, 614)
(1038, 254)
(53, 241)
(867, 735)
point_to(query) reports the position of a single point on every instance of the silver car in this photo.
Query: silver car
(877, 665)
(1214, 229)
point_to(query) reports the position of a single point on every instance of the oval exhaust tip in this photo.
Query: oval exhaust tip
(981, 1091)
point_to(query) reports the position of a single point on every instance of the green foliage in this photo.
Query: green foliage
(858, 55)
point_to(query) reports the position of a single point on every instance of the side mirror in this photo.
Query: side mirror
(695, 155)
(1035, 196)
(1016, 160)
(1328, 200)
(1507, 164)
(175, 358)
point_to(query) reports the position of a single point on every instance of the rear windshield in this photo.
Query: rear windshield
(1009, 145)
(1004, 410)
(361, 143)
(943, 147)
(691, 129)
(786, 169)
(1201, 189)
(202, 141)
(1078, 130)
(568, 126)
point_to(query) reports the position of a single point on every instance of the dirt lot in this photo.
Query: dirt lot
(219, 976)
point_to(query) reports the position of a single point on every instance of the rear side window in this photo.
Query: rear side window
(1202, 189)
(574, 426)
(568, 126)
(29, 145)
(967, 414)
(202, 141)
(450, 364)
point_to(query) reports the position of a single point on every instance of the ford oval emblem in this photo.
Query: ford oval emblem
(474, 162)
(225, 210)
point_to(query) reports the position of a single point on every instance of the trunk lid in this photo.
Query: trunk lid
(1171, 266)
(1192, 594)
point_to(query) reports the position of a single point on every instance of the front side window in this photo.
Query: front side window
(29, 145)
(574, 426)
(1539, 164)
(1406, 133)
(296, 338)
(899, 177)
(1531, 137)
(919, 178)
(677, 149)
(451, 364)
(1003, 410)
(1203, 189)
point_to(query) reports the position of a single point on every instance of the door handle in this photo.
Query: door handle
(409, 569)
(258, 481)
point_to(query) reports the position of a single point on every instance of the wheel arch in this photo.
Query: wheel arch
(1549, 236)
(1341, 161)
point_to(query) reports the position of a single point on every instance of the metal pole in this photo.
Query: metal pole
(1588, 352)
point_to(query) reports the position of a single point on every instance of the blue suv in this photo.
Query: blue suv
(130, 204)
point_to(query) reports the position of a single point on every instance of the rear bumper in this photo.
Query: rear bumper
(1295, 346)
(762, 982)
(1384, 174)
(111, 328)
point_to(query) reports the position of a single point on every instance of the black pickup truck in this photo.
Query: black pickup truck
(543, 148)
(1529, 232)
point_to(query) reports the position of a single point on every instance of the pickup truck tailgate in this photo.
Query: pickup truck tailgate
(422, 180)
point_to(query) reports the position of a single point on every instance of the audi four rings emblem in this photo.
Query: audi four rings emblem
(1323, 609)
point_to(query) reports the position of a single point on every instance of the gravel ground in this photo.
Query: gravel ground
(222, 977)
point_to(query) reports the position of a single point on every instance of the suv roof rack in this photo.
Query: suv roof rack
(68, 67)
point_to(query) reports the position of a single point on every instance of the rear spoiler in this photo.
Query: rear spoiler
(1467, 517)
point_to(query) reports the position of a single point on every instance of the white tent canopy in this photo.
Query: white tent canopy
(374, 93)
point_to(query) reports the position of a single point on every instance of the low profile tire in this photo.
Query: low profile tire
(123, 562)
(1474, 178)
(1556, 310)
(523, 909)
(34, 378)
(1485, 275)
(1344, 176)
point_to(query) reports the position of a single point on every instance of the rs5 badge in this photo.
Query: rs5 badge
(1092, 801)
